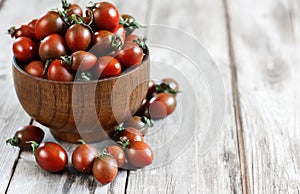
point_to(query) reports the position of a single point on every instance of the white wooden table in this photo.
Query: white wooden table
(255, 44)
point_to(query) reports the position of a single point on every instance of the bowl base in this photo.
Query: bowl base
(73, 136)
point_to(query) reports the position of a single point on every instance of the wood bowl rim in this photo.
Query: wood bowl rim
(123, 74)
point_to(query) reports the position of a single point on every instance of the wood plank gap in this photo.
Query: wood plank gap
(236, 103)
(127, 180)
(13, 170)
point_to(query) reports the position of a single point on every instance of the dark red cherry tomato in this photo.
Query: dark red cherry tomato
(49, 23)
(83, 158)
(71, 8)
(32, 23)
(24, 49)
(140, 123)
(119, 30)
(151, 89)
(52, 47)
(82, 60)
(172, 83)
(139, 154)
(131, 37)
(24, 30)
(105, 169)
(142, 111)
(25, 134)
(104, 42)
(59, 71)
(36, 68)
(106, 16)
(168, 85)
(129, 134)
(51, 156)
(78, 37)
(118, 153)
(107, 66)
(131, 54)
(162, 105)
(129, 23)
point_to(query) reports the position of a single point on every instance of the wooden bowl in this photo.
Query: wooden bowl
(82, 110)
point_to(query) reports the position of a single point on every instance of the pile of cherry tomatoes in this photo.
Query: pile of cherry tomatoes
(76, 44)
(129, 149)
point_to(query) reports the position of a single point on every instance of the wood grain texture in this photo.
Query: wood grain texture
(265, 49)
(12, 116)
(69, 181)
(191, 171)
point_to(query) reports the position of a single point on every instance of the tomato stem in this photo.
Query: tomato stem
(34, 145)
(67, 59)
(76, 19)
(160, 88)
(13, 141)
(141, 42)
(48, 62)
(85, 76)
(123, 143)
(64, 15)
(133, 25)
(148, 122)
(91, 5)
(65, 4)
(81, 141)
(117, 42)
(12, 31)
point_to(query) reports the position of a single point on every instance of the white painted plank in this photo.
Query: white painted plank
(12, 116)
(265, 36)
(216, 171)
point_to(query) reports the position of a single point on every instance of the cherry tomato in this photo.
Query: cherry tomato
(107, 66)
(104, 42)
(24, 49)
(139, 154)
(168, 85)
(151, 89)
(171, 83)
(117, 153)
(142, 111)
(52, 47)
(82, 60)
(162, 105)
(129, 23)
(131, 54)
(131, 37)
(119, 30)
(105, 169)
(71, 8)
(83, 158)
(106, 16)
(25, 134)
(36, 68)
(24, 30)
(78, 37)
(129, 134)
(51, 156)
(32, 23)
(49, 23)
(59, 71)
(140, 123)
